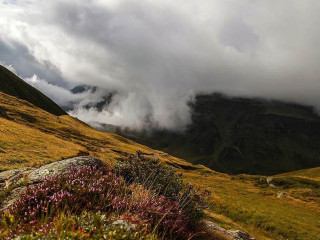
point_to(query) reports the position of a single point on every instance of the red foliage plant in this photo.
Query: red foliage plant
(93, 188)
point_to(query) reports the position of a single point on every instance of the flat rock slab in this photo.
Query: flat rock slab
(227, 234)
(61, 167)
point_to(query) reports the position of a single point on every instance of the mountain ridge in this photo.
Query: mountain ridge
(12, 85)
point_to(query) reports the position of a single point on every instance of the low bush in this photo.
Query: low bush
(88, 225)
(151, 174)
(161, 179)
(82, 204)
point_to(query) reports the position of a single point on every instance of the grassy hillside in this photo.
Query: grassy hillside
(311, 173)
(13, 85)
(21, 145)
(244, 201)
(77, 137)
(236, 135)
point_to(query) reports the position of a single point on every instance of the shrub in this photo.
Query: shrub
(152, 174)
(88, 225)
(100, 190)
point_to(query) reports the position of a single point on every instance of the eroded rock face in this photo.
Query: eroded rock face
(18, 179)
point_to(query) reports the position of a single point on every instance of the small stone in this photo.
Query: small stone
(269, 179)
(281, 195)
(122, 223)
(240, 235)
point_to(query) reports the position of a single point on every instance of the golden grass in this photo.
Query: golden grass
(106, 146)
(312, 173)
(33, 136)
(24, 146)
(259, 211)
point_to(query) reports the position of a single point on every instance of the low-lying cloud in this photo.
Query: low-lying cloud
(157, 54)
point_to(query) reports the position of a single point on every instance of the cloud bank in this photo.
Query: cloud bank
(157, 54)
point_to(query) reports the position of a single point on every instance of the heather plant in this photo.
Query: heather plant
(154, 175)
(51, 207)
(151, 174)
(87, 225)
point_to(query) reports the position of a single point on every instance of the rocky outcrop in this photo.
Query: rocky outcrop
(226, 234)
(17, 180)
(12, 177)
(61, 167)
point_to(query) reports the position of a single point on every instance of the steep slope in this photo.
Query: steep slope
(237, 135)
(15, 86)
(21, 145)
(27, 120)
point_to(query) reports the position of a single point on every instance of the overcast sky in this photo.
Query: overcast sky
(157, 54)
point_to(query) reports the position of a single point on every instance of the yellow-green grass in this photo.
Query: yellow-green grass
(312, 173)
(22, 146)
(34, 137)
(106, 146)
(259, 210)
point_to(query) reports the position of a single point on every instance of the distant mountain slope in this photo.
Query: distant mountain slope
(105, 100)
(15, 86)
(237, 135)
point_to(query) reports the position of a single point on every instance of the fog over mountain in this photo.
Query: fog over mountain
(156, 55)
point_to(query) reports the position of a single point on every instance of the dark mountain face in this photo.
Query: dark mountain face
(237, 135)
(13, 85)
(79, 89)
(106, 99)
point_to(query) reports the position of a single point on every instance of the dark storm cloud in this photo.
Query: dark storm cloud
(26, 65)
(157, 54)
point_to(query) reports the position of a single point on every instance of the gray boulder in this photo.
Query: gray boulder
(61, 167)
(238, 235)
(12, 177)
(16, 180)
(226, 234)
